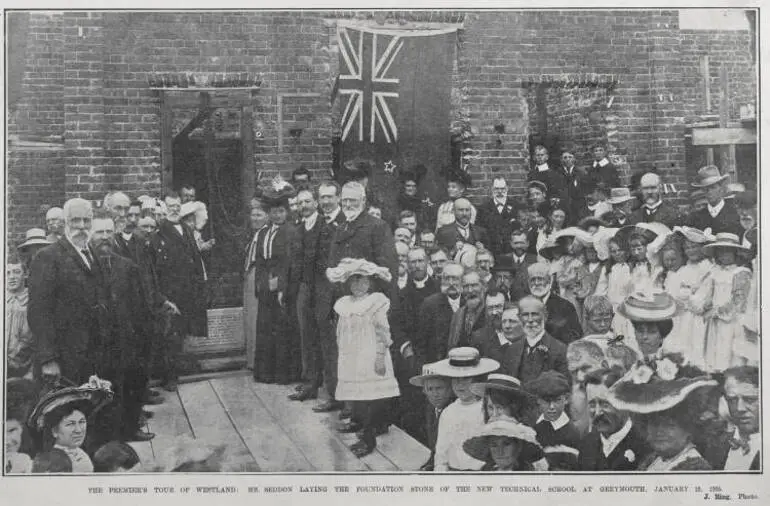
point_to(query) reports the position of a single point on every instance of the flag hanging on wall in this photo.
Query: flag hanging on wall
(393, 91)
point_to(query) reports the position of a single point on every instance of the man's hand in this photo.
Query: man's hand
(51, 368)
(407, 351)
(171, 308)
(280, 298)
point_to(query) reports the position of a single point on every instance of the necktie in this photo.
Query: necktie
(87, 255)
(743, 444)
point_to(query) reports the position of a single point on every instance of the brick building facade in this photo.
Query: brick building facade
(89, 91)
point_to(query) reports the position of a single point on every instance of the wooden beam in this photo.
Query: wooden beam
(248, 172)
(728, 151)
(166, 144)
(705, 82)
(723, 136)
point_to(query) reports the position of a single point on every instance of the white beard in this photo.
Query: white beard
(351, 214)
(539, 293)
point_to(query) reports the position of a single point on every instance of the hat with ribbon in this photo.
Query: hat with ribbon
(695, 235)
(549, 247)
(620, 195)
(34, 237)
(356, 267)
(648, 307)
(477, 446)
(464, 362)
(657, 385)
(89, 396)
(277, 193)
(427, 373)
(708, 176)
(503, 383)
(724, 240)
(580, 235)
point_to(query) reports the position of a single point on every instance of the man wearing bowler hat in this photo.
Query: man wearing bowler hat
(720, 214)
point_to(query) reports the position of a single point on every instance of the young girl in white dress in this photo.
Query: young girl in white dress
(364, 367)
(726, 341)
(615, 284)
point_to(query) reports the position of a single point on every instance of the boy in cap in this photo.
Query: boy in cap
(439, 394)
(555, 432)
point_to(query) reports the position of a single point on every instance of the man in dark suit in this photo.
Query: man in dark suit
(654, 208)
(614, 444)
(124, 351)
(364, 236)
(720, 215)
(570, 189)
(562, 320)
(67, 302)
(471, 316)
(490, 340)
(179, 269)
(462, 230)
(741, 391)
(622, 208)
(602, 170)
(302, 277)
(497, 215)
(323, 292)
(430, 343)
(519, 261)
(538, 352)
(543, 171)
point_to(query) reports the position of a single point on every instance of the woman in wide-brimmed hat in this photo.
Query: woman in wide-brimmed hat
(506, 445)
(364, 366)
(729, 284)
(662, 395)
(651, 314)
(61, 418)
(465, 415)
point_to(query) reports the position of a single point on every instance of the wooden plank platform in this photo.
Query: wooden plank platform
(266, 432)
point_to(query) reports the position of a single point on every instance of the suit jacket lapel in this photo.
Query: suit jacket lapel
(75, 254)
(513, 355)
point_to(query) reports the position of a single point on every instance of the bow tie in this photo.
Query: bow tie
(743, 444)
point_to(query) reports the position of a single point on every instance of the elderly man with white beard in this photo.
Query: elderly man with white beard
(538, 352)
(562, 322)
(654, 208)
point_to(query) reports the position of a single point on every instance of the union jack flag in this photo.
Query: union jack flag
(363, 79)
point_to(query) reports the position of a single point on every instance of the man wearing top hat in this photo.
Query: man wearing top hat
(497, 214)
(457, 182)
(622, 208)
(538, 352)
(720, 214)
(654, 208)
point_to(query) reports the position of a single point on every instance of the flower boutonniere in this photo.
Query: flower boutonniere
(630, 456)
(541, 348)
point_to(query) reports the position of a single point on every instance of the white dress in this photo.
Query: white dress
(362, 328)
(726, 342)
(457, 423)
(616, 286)
(692, 292)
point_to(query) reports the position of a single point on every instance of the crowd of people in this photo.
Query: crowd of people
(584, 326)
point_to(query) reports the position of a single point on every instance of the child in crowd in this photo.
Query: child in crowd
(504, 397)
(465, 416)
(438, 391)
(52, 462)
(558, 436)
(730, 282)
(365, 367)
(505, 445)
(642, 279)
(583, 358)
(116, 457)
(18, 337)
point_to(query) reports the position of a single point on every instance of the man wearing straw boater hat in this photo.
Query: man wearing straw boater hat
(465, 416)
(438, 392)
(720, 214)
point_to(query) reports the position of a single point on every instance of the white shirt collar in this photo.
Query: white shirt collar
(454, 303)
(547, 296)
(501, 338)
(559, 423)
(310, 220)
(592, 207)
(593, 266)
(420, 284)
(534, 341)
(543, 167)
(502, 202)
(612, 442)
(739, 461)
(622, 221)
(464, 227)
(602, 162)
(517, 258)
(179, 228)
(715, 210)
(355, 216)
(126, 236)
(654, 206)
(333, 216)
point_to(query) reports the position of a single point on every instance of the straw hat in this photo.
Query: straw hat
(465, 362)
(34, 236)
(578, 233)
(602, 241)
(620, 195)
(655, 386)
(477, 446)
(695, 235)
(356, 266)
(649, 307)
(503, 383)
(548, 247)
(725, 240)
(708, 176)
(427, 373)
(94, 394)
